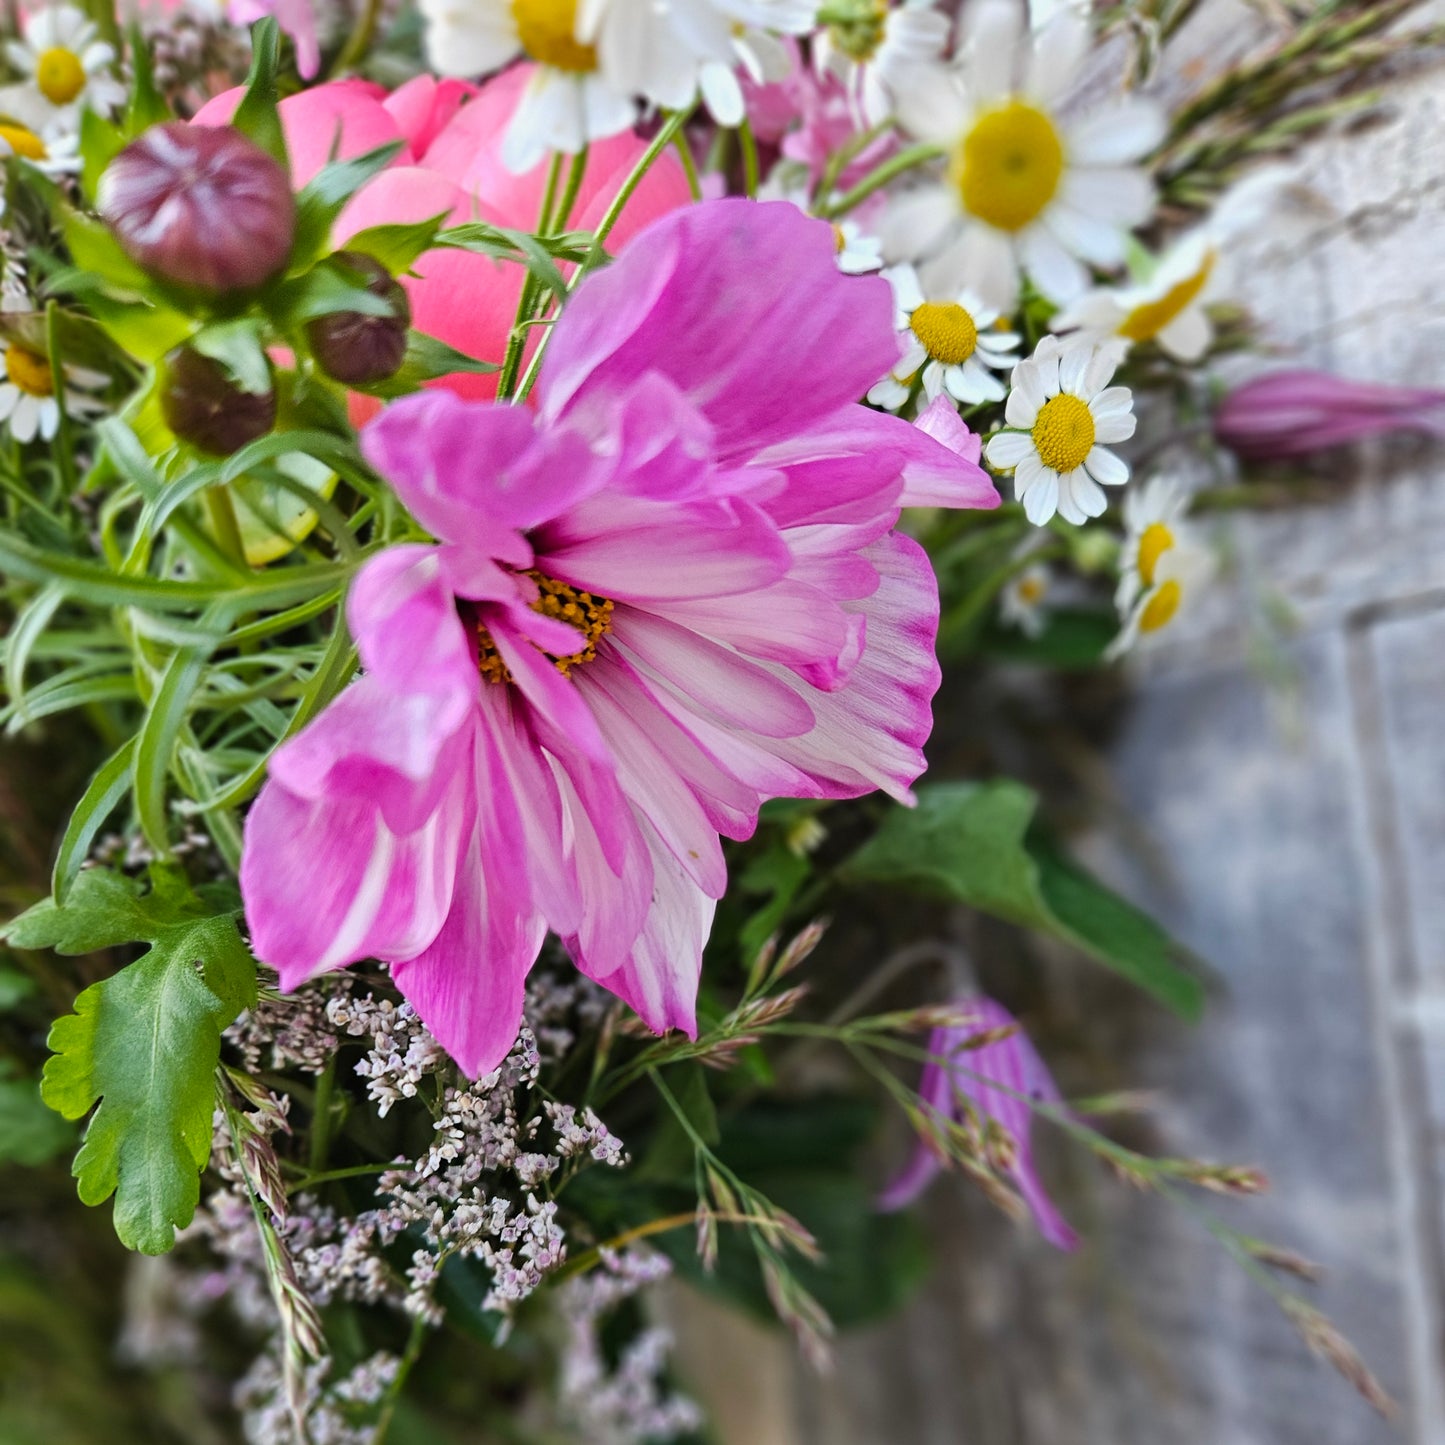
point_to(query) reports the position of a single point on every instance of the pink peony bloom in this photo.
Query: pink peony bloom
(450, 164)
(1013, 1063)
(1292, 413)
(670, 592)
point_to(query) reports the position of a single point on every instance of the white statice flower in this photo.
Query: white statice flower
(953, 341)
(1027, 188)
(66, 66)
(1167, 303)
(28, 404)
(873, 48)
(567, 103)
(1061, 417)
(1162, 568)
(1023, 600)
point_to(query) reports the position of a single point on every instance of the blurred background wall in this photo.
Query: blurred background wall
(1273, 789)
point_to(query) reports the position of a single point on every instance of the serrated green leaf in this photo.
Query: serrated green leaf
(143, 1044)
(974, 843)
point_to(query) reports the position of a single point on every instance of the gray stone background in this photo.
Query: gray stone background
(1282, 771)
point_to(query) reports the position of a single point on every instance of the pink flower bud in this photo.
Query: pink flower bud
(200, 206)
(204, 407)
(355, 348)
(1292, 413)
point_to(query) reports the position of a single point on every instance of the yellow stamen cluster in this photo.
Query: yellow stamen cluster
(1008, 165)
(547, 30)
(59, 75)
(1163, 603)
(1145, 322)
(22, 142)
(857, 27)
(590, 615)
(1155, 541)
(29, 371)
(1032, 589)
(947, 332)
(1064, 433)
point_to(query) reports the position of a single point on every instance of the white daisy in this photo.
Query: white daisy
(28, 406)
(953, 342)
(57, 153)
(1061, 412)
(1168, 303)
(1024, 189)
(1023, 602)
(1179, 576)
(567, 102)
(67, 65)
(858, 253)
(1153, 524)
(873, 48)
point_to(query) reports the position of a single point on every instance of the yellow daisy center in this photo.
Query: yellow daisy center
(589, 614)
(1008, 166)
(840, 241)
(23, 142)
(547, 30)
(29, 371)
(1145, 322)
(1064, 433)
(1163, 603)
(1154, 542)
(1032, 590)
(59, 74)
(947, 332)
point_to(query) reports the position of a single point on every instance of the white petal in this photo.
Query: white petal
(1111, 400)
(1188, 336)
(1106, 468)
(1058, 50)
(722, 94)
(1124, 130)
(1056, 274)
(990, 66)
(984, 260)
(931, 105)
(1074, 367)
(1083, 492)
(24, 419)
(1029, 473)
(1122, 196)
(1042, 499)
(917, 222)
(932, 380)
(1026, 398)
(1008, 448)
(1116, 427)
(972, 384)
(1099, 242)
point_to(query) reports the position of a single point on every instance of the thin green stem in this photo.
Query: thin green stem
(527, 301)
(359, 41)
(875, 180)
(321, 1117)
(749, 147)
(411, 1355)
(689, 165)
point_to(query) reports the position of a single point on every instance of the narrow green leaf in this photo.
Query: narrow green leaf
(974, 843)
(237, 345)
(257, 115)
(110, 784)
(156, 742)
(398, 245)
(25, 632)
(325, 195)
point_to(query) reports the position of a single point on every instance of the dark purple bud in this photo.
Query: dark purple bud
(200, 206)
(1292, 413)
(354, 347)
(203, 406)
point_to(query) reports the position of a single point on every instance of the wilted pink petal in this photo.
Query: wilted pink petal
(1292, 413)
(956, 1072)
(659, 599)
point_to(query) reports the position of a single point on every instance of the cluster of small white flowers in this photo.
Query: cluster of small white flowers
(402, 1051)
(629, 1403)
(297, 1029)
(340, 1258)
(188, 50)
(267, 1417)
(589, 1136)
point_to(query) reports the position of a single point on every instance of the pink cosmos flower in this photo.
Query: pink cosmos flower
(670, 592)
(1012, 1062)
(1293, 413)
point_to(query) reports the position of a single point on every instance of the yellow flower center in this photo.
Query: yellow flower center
(1155, 541)
(1008, 166)
(1064, 433)
(1145, 322)
(840, 241)
(590, 615)
(23, 142)
(59, 74)
(29, 371)
(1031, 590)
(548, 32)
(1163, 603)
(948, 333)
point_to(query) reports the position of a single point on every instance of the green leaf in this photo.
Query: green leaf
(780, 873)
(144, 1043)
(397, 245)
(100, 143)
(110, 784)
(147, 106)
(426, 357)
(156, 742)
(325, 195)
(974, 843)
(323, 291)
(257, 115)
(238, 347)
(30, 1134)
(15, 988)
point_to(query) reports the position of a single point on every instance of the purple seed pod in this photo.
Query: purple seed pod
(200, 206)
(203, 406)
(353, 347)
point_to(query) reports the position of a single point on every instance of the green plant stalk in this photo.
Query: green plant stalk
(527, 301)
(749, 146)
(875, 180)
(358, 42)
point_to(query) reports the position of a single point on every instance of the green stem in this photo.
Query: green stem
(561, 217)
(221, 511)
(321, 1118)
(359, 41)
(749, 148)
(689, 165)
(890, 170)
(412, 1354)
(527, 301)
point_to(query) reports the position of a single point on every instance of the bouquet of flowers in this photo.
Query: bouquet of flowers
(490, 496)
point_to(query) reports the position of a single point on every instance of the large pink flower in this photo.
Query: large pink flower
(670, 593)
